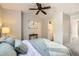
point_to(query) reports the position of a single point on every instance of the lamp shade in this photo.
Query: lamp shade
(5, 30)
(0, 23)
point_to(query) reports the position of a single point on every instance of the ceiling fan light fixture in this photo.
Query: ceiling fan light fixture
(40, 8)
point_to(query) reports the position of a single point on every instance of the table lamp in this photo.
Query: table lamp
(5, 31)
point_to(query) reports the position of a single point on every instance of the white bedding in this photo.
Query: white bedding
(56, 45)
(31, 50)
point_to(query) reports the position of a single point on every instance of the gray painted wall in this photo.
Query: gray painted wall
(66, 28)
(27, 17)
(0, 13)
(12, 19)
(58, 27)
(74, 19)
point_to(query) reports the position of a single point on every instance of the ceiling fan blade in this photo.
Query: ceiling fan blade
(33, 9)
(38, 4)
(43, 12)
(37, 12)
(48, 7)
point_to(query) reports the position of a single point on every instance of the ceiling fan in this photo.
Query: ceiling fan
(40, 8)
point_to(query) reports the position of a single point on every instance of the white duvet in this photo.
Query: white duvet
(57, 45)
(33, 52)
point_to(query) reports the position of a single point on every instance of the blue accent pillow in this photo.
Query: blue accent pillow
(7, 50)
(10, 41)
(20, 47)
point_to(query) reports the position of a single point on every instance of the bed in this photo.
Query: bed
(45, 47)
(35, 47)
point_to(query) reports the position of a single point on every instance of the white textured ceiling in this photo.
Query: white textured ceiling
(69, 8)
